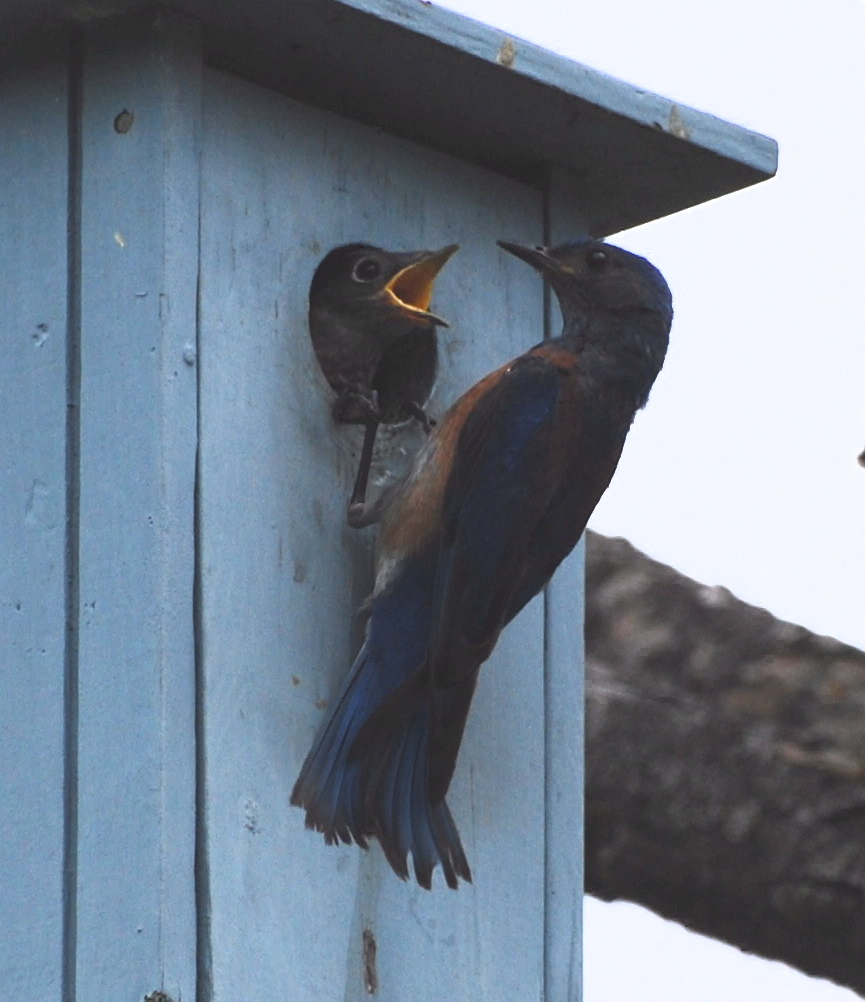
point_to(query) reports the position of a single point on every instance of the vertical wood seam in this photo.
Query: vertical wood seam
(562, 955)
(547, 227)
(547, 327)
(203, 902)
(73, 494)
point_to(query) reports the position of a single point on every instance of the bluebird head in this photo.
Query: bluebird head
(588, 274)
(613, 302)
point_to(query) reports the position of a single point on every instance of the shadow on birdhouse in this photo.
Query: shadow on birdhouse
(375, 339)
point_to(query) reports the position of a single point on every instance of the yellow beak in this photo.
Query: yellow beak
(410, 290)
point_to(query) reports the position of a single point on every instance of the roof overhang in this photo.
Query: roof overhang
(465, 88)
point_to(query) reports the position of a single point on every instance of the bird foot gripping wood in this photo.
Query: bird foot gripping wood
(356, 405)
(420, 415)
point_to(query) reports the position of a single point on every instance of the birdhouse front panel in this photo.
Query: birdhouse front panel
(284, 578)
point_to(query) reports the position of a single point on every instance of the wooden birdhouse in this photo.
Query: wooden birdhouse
(180, 593)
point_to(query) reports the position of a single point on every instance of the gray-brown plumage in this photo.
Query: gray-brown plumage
(375, 339)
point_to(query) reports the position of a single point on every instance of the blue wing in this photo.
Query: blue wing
(383, 762)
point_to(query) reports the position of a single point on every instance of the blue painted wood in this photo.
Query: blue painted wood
(282, 577)
(520, 107)
(136, 917)
(33, 287)
(564, 777)
(564, 707)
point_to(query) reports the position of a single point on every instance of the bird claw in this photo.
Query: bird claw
(420, 415)
(359, 516)
(364, 511)
(355, 405)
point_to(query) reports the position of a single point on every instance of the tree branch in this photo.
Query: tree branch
(725, 782)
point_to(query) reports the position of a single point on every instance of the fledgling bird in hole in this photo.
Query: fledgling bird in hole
(498, 497)
(375, 340)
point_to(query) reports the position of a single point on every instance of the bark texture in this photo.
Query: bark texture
(725, 783)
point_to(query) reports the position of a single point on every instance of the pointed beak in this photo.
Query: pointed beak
(538, 257)
(411, 288)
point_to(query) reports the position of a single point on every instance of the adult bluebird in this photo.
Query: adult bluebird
(375, 339)
(498, 497)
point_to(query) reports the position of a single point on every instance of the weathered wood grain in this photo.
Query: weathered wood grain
(136, 914)
(33, 400)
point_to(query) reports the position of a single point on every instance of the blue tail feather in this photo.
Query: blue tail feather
(380, 787)
(328, 784)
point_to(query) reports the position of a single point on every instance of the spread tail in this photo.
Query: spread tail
(367, 775)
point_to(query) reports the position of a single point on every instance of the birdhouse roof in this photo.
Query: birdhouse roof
(465, 88)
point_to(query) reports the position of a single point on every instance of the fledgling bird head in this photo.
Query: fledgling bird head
(613, 302)
(372, 288)
(367, 304)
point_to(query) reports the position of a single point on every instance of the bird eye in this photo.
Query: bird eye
(597, 259)
(366, 270)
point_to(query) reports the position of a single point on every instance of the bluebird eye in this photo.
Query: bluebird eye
(366, 270)
(597, 259)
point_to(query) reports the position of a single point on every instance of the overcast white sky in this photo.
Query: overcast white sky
(742, 471)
